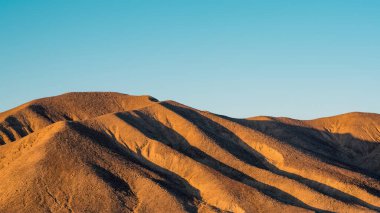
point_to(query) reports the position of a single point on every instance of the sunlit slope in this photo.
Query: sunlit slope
(167, 157)
(350, 140)
(32, 116)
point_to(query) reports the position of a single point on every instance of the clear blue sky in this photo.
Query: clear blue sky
(302, 59)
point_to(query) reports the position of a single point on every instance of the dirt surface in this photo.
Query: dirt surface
(110, 152)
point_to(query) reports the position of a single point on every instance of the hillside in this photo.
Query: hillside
(110, 152)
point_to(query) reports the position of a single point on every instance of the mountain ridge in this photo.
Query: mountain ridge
(134, 153)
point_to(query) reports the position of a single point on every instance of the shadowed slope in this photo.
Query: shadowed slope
(112, 152)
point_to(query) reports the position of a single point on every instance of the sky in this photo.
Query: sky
(294, 58)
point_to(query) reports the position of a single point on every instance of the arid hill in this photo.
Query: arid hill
(110, 152)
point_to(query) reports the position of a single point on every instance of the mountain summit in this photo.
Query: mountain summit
(111, 152)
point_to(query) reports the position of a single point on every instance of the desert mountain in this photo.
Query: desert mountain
(110, 152)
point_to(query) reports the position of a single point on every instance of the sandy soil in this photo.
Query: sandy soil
(110, 152)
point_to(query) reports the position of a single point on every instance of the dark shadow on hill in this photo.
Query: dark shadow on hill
(13, 129)
(336, 149)
(125, 195)
(42, 112)
(229, 141)
(157, 131)
(173, 183)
